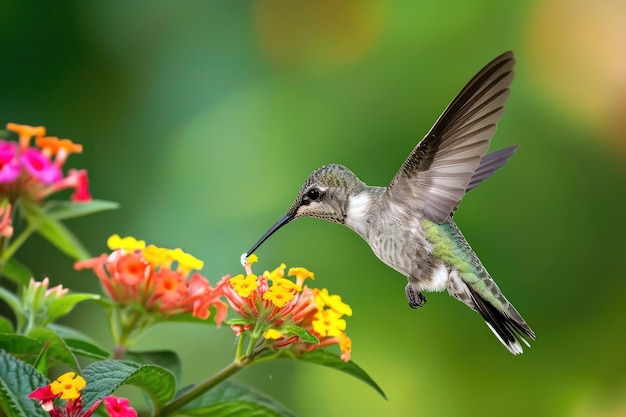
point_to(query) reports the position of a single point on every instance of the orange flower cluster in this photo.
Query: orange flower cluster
(159, 280)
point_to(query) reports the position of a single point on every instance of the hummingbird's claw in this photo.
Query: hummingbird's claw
(414, 297)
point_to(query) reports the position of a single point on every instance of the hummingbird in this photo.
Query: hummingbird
(409, 224)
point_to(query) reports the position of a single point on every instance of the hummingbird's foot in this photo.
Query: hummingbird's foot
(414, 297)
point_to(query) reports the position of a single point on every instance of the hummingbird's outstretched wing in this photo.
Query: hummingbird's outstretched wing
(436, 174)
(490, 164)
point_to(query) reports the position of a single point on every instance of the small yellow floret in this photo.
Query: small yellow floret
(252, 258)
(301, 273)
(323, 299)
(328, 323)
(157, 256)
(279, 272)
(68, 385)
(129, 243)
(272, 334)
(286, 284)
(186, 261)
(244, 286)
(279, 296)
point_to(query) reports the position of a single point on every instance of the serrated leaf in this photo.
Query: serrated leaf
(325, 358)
(304, 335)
(232, 398)
(165, 358)
(16, 271)
(17, 380)
(57, 348)
(63, 305)
(61, 210)
(106, 376)
(60, 236)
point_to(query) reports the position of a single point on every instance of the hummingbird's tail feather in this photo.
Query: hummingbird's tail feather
(509, 330)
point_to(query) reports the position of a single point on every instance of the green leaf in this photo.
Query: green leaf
(16, 271)
(5, 326)
(63, 305)
(325, 358)
(304, 335)
(14, 304)
(60, 236)
(20, 345)
(232, 398)
(61, 210)
(106, 376)
(238, 320)
(79, 343)
(57, 349)
(17, 380)
(86, 349)
(165, 358)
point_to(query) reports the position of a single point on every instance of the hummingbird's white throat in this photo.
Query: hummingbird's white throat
(358, 209)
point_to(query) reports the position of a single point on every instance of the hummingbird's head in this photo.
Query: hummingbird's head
(325, 195)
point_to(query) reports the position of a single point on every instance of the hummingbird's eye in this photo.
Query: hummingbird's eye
(313, 194)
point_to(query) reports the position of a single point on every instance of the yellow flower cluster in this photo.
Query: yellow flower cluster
(154, 254)
(281, 303)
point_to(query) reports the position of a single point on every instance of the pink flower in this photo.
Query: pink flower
(80, 185)
(119, 407)
(9, 165)
(45, 397)
(35, 172)
(40, 167)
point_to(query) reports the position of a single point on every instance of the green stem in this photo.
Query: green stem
(239, 347)
(17, 242)
(203, 387)
(251, 345)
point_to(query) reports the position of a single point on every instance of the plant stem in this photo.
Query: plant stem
(203, 387)
(17, 242)
(239, 347)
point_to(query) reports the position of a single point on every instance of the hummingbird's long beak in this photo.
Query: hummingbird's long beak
(280, 223)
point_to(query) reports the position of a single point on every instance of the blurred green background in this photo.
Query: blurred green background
(203, 118)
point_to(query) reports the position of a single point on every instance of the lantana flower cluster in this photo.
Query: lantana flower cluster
(63, 398)
(159, 280)
(35, 172)
(272, 305)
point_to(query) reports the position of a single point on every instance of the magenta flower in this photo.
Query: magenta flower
(40, 167)
(9, 164)
(119, 407)
(35, 172)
